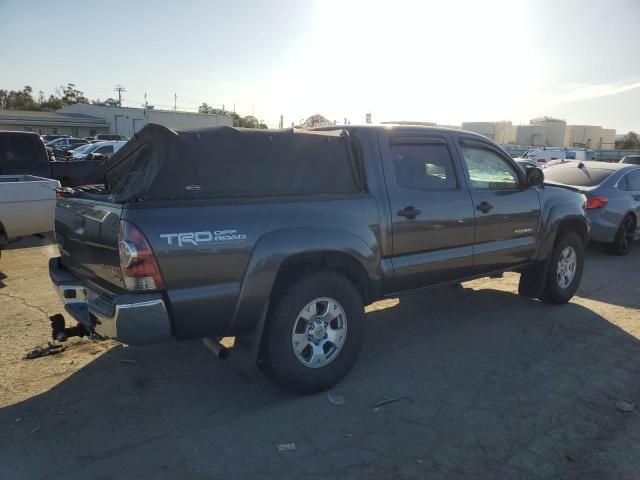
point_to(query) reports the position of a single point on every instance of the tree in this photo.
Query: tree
(23, 99)
(18, 99)
(631, 141)
(316, 120)
(71, 95)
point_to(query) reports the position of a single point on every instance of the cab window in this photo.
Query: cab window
(488, 170)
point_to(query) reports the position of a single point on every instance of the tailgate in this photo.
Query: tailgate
(87, 234)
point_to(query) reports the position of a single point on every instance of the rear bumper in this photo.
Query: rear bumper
(602, 229)
(132, 318)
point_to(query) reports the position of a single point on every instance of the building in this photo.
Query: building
(127, 120)
(82, 120)
(551, 131)
(589, 136)
(501, 132)
(52, 123)
(545, 132)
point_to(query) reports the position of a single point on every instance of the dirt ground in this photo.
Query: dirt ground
(490, 385)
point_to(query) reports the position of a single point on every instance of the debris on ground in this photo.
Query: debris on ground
(625, 406)
(283, 447)
(335, 399)
(389, 399)
(50, 349)
(128, 360)
(35, 430)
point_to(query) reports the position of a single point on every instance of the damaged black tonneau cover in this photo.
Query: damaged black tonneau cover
(225, 162)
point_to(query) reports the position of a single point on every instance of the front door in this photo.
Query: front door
(431, 211)
(507, 211)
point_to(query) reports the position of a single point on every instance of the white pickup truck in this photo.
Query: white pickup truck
(27, 205)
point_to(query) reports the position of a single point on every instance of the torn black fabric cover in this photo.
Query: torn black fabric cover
(226, 162)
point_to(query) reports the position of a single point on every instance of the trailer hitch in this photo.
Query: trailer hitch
(61, 333)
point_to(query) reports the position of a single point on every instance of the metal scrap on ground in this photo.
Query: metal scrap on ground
(388, 399)
(283, 447)
(50, 349)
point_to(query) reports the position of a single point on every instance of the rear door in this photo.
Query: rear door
(507, 212)
(431, 210)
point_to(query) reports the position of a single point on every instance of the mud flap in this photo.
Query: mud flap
(245, 353)
(533, 280)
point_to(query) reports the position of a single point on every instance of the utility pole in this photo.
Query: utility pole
(120, 89)
(281, 124)
(145, 100)
(175, 102)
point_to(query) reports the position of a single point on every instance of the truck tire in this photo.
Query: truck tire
(314, 332)
(565, 269)
(624, 236)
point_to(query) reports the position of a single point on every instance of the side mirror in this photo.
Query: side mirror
(535, 177)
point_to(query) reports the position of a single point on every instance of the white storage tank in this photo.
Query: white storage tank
(553, 130)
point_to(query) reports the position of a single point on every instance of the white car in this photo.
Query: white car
(543, 155)
(101, 148)
(546, 156)
(27, 204)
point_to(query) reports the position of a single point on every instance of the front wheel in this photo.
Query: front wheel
(565, 268)
(315, 332)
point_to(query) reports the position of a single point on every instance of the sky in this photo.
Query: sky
(438, 61)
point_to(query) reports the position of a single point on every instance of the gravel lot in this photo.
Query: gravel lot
(493, 386)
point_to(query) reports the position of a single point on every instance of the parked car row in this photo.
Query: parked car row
(613, 196)
(546, 156)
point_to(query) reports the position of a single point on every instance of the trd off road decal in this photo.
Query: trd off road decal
(204, 237)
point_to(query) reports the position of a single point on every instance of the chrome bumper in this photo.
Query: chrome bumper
(132, 318)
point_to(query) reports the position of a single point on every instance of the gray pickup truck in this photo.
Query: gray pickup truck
(281, 237)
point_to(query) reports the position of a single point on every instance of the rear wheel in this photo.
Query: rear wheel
(565, 268)
(624, 236)
(315, 332)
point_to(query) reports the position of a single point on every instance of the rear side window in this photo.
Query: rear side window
(633, 180)
(423, 167)
(579, 177)
(21, 152)
(105, 149)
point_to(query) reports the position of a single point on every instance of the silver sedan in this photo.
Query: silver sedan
(613, 198)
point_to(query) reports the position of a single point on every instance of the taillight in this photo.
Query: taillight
(596, 202)
(137, 262)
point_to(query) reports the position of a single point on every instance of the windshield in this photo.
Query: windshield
(579, 177)
(81, 148)
(529, 154)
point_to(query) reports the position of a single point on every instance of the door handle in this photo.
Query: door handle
(409, 212)
(484, 207)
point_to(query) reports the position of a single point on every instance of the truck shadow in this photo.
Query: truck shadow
(31, 241)
(480, 383)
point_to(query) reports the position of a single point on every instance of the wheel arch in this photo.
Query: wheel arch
(280, 257)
